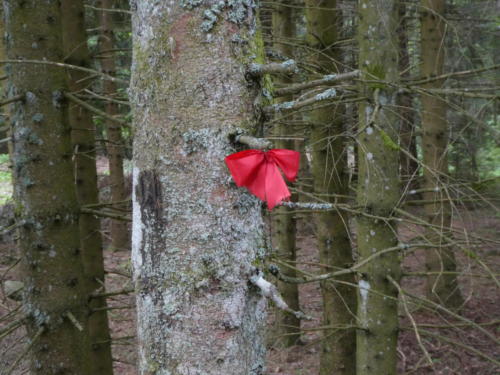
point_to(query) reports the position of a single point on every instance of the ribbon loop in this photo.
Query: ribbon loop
(259, 172)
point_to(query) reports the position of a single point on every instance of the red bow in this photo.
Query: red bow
(258, 171)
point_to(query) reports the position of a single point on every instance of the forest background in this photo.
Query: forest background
(385, 260)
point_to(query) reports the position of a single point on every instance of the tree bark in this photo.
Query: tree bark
(329, 170)
(55, 298)
(5, 147)
(196, 237)
(284, 223)
(378, 189)
(407, 138)
(442, 288)
(83, 143)
(120, 238)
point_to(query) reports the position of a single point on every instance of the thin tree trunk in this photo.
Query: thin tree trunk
(83, 142)
(378, 189)
(5, 147)
(435, 132)
(119, 231)
(407, 137)
(284, 223)
(55, 298)
(196, 237)
(329, 170)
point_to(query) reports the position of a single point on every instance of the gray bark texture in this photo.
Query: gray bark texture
(196, 237)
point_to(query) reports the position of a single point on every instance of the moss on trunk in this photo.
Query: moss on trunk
(378, 189)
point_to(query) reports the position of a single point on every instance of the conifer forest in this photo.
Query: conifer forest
(245, 187)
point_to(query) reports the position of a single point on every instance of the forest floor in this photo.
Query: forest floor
(451, 349)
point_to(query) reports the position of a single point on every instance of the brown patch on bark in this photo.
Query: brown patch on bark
(179, 33)
(149, 195)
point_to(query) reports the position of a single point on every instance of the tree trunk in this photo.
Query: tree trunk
(55, 298)
(378, 189)
(442, 288)
(329, 170)
(284, 223)
(83, 142)
(5, 147)
(196, 237)
(115, 146)
(407, 138)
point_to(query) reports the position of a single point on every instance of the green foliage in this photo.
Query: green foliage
(489, 154)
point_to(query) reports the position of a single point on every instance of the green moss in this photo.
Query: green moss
(388, 142)
(376, 71)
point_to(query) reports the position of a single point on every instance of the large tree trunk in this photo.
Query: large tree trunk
(378, 190)
(196, 237)
(329, 170)
(442, 288)
(55, 299)
(83, 141)
(284, 223)
(120, 239)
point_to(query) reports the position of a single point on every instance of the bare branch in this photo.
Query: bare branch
(271, 292)
(67, 66)
(326, 80)
(286, 67)
(95, 110)
(252, 142)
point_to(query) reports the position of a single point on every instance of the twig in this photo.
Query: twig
(457, 343)
(106, 98)
(67, 66)
(115, 293)
(73, 320)
(286, 67)
(105, 214)
(252, 142)
(454, 74)
(271, 292)
(309, 206)
(12, 100)
(25, 351)
(94, 109)
(294, 105)
(326, 80)
(412, 320)
(105, 204)
(125, 307)
(330, 275)
(437, 306)
(109, 10)
(11, 327)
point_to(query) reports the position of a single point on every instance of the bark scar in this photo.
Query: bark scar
(149, 195)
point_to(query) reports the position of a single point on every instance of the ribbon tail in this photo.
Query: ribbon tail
(276, 189)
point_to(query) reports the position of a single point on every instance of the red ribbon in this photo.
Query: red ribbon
(258, 172)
